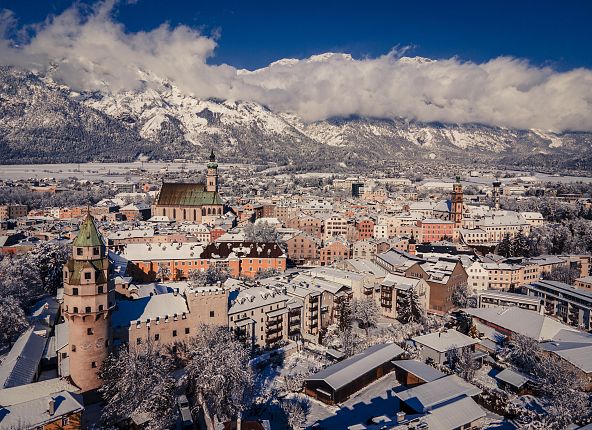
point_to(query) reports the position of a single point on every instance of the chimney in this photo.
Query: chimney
(51, 406)
(238, 422)
(400, 417)
(176, 292)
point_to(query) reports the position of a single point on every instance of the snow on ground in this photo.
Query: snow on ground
(376, 399)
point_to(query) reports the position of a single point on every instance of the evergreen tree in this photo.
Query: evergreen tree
(504, 248)
(520, 246)
(410, 309)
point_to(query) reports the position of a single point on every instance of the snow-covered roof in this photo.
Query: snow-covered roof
(162, 251)
(521, 321)
(256, 297)
(149, 308)
(425, 397)
(25, 393)
(420, 369)
(513, 378)
(34, 413)
(445, 340)
(131, 234)
(454, 415)
(21, 364)
(346, 371)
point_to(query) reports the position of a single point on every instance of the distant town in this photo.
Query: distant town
(228, 297)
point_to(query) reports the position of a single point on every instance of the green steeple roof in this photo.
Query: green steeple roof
(88, 234)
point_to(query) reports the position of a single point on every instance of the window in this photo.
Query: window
(75, 310)
(73, 348)
(89, 331)
(94, 365)
(95, 251)
(156, 336)
(79, 251)
(87, 309)
(211, 314)
(65, 421)
(74, 292)
(87, 275)
(174, 333)
(139, 341)
(100, 308)
(187, 330)
(100, 289)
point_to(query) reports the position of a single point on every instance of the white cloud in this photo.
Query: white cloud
(93, 51)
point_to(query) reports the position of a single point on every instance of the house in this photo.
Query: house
(336, 383)
(515, 381)
(334, 249)
(495, 298)
(302, 248)
(414, 372)
(394, 289)
(437, 346)
(61, 410)
(22, 363)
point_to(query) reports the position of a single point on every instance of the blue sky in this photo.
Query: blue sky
(254, 33)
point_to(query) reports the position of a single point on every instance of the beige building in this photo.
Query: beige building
(12, 211)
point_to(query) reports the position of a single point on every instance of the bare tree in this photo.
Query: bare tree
(219, 372)
(366, 312)
(13, 321)
(296, 410)
(461, 362)
(138, 380)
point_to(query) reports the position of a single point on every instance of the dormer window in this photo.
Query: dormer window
(79, 251)
(87, 275)
(96, 251)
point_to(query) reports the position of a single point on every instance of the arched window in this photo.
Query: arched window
(175, 213)
(194, 214)
(209, 211)
(203, 211)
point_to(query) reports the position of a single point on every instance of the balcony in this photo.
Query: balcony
(273, 330)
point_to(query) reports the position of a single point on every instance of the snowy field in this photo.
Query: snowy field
(96, 171)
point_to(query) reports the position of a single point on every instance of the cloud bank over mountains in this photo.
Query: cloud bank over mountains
(89, 50)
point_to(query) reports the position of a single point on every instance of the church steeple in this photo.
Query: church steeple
(212, 175)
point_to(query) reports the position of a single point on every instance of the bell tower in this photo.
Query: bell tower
(456, 204)
(88, 302)
(212, 175)
(496, 193)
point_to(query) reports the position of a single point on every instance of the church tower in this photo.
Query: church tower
(456, 203)
(212, 175)
(88, 302)
(496, 194)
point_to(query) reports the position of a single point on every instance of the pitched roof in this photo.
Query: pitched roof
(34, 413)
(187, 194)
(425, 397)
(420, 369)
(346, 371)
(88, 235)
(20, 365)
(455, 415)
(445, 341)
(521, 321)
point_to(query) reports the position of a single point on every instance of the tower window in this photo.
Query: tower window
(79, 251)
(87, 275)
(100, 308)
(87, 310)
(75, 310)
(211, 314)
(74, 292)
(94, 364)
(89, 331)
(186, 330)
(100, 289)
(156, 336)
(139, 341)
(174, 333)
(73, 348)
(95, 251)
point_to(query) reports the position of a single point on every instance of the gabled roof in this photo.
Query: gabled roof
(420, 369)
(445, 341)
(88, 235)
(187, 194)
(425, 397)
(348, 370)
(21, 364)
(455, 415)
(521, 321)
(34, 413)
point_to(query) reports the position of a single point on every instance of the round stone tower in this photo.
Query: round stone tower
(88, 302)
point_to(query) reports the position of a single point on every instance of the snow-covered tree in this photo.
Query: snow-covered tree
(410, 308)
(461, 362)
(49, 259)
(366, 312)
(164, 272)
(268, 273)
(296, 410)
(261, 232)
(13, 321)
(219, 372)
(138, 380)
(460, 295)
(523, 352)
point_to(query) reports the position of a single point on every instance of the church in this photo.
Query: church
(452, 209)
(195, 202)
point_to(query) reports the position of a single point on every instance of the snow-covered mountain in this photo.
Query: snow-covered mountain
(162, 121)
